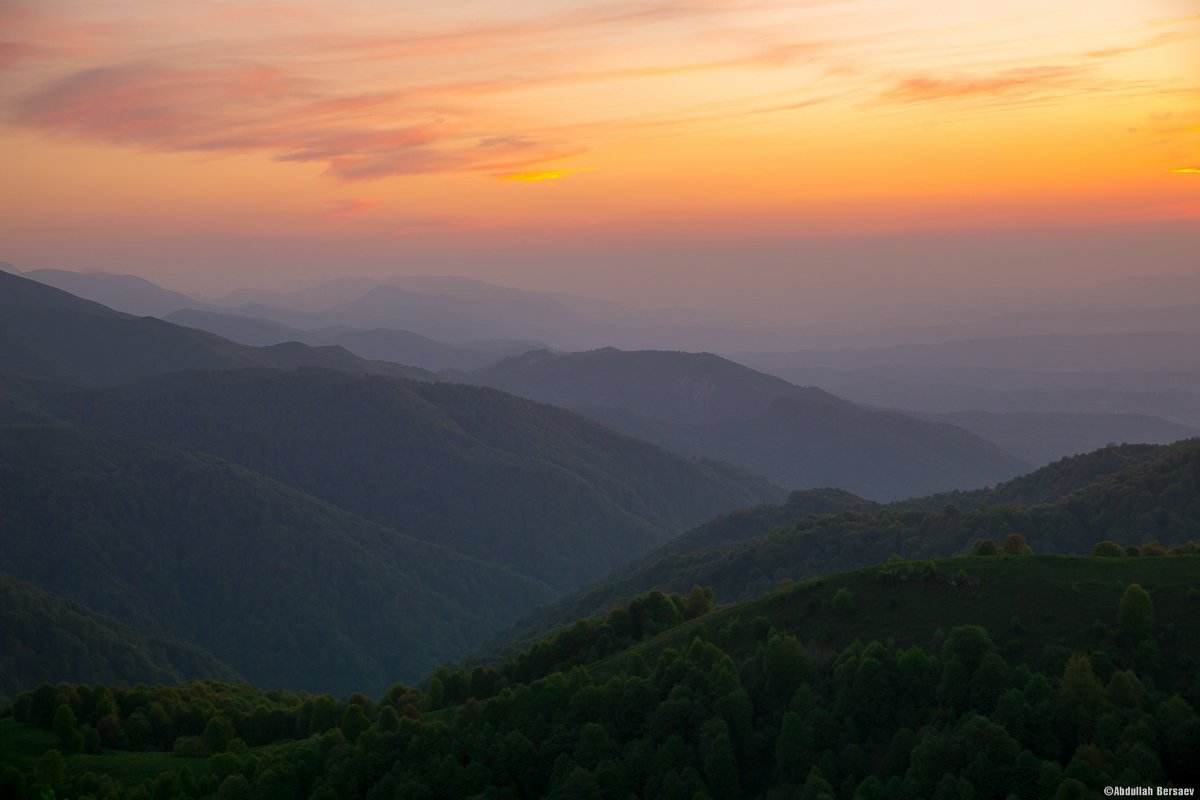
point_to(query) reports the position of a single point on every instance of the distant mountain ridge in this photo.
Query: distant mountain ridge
(1044, 437)
(384, 344)
(1147, 351)
(48, 333)
(799, 437)
(129, 294)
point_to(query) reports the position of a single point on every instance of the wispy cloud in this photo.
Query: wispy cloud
(340, 209)
(1188, 170)
(13, 52)
(1019, 81)
(243, 107)
(315, 90)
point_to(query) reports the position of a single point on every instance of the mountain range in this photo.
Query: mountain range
(384, 344)
(303, 517)
(311, 528)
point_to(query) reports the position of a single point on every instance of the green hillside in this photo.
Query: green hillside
(1054, 481)
(1035, 609)
(511, 481)
(44, 638)
(978, 677)
(1130, 494)
(286, 589)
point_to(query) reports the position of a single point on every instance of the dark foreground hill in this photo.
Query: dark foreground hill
(553, 496)
(701, 404)
(286, 589)
(987, 678)
(48, 333)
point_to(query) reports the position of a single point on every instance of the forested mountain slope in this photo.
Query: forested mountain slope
(44, 638)
(554, 496)
(286, 589)
(1129, 494)
(1054, 481)
(988, 678)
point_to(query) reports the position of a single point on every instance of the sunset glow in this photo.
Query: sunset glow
(365, 122)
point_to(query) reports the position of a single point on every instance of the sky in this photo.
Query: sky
(690, 152)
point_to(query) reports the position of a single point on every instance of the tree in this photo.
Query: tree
(983, 547)
(49, 771)
(967, 644)
(699, 602)
(1080, 689)
(234, 787)
(1135, 614)
(69, 737)
(1108, 549)
(388, 722)
(794, 748)
(435, 698)
(720, 768)
(581, 783)
(217, 735)
(785, 666)
(354, 722)
(1015, 545)
(843, 601)
(12, 785)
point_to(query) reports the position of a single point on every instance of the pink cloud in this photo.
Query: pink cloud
(14, 52)
(1020, 81)
(158, 106)
(240, 107)
(340, 209)
(289, 94)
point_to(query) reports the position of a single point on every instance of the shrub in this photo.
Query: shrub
(1108, 549)
(843, 601)
(1015, 545)
(983, 547)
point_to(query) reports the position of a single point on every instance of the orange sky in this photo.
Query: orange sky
(375, 128)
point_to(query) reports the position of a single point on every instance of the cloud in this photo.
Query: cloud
(1019, 81)
(489, 155)
(13, 52)
(241, 107)
(1189, 170)
(319, 88)
(340, 209)
(163, 107)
